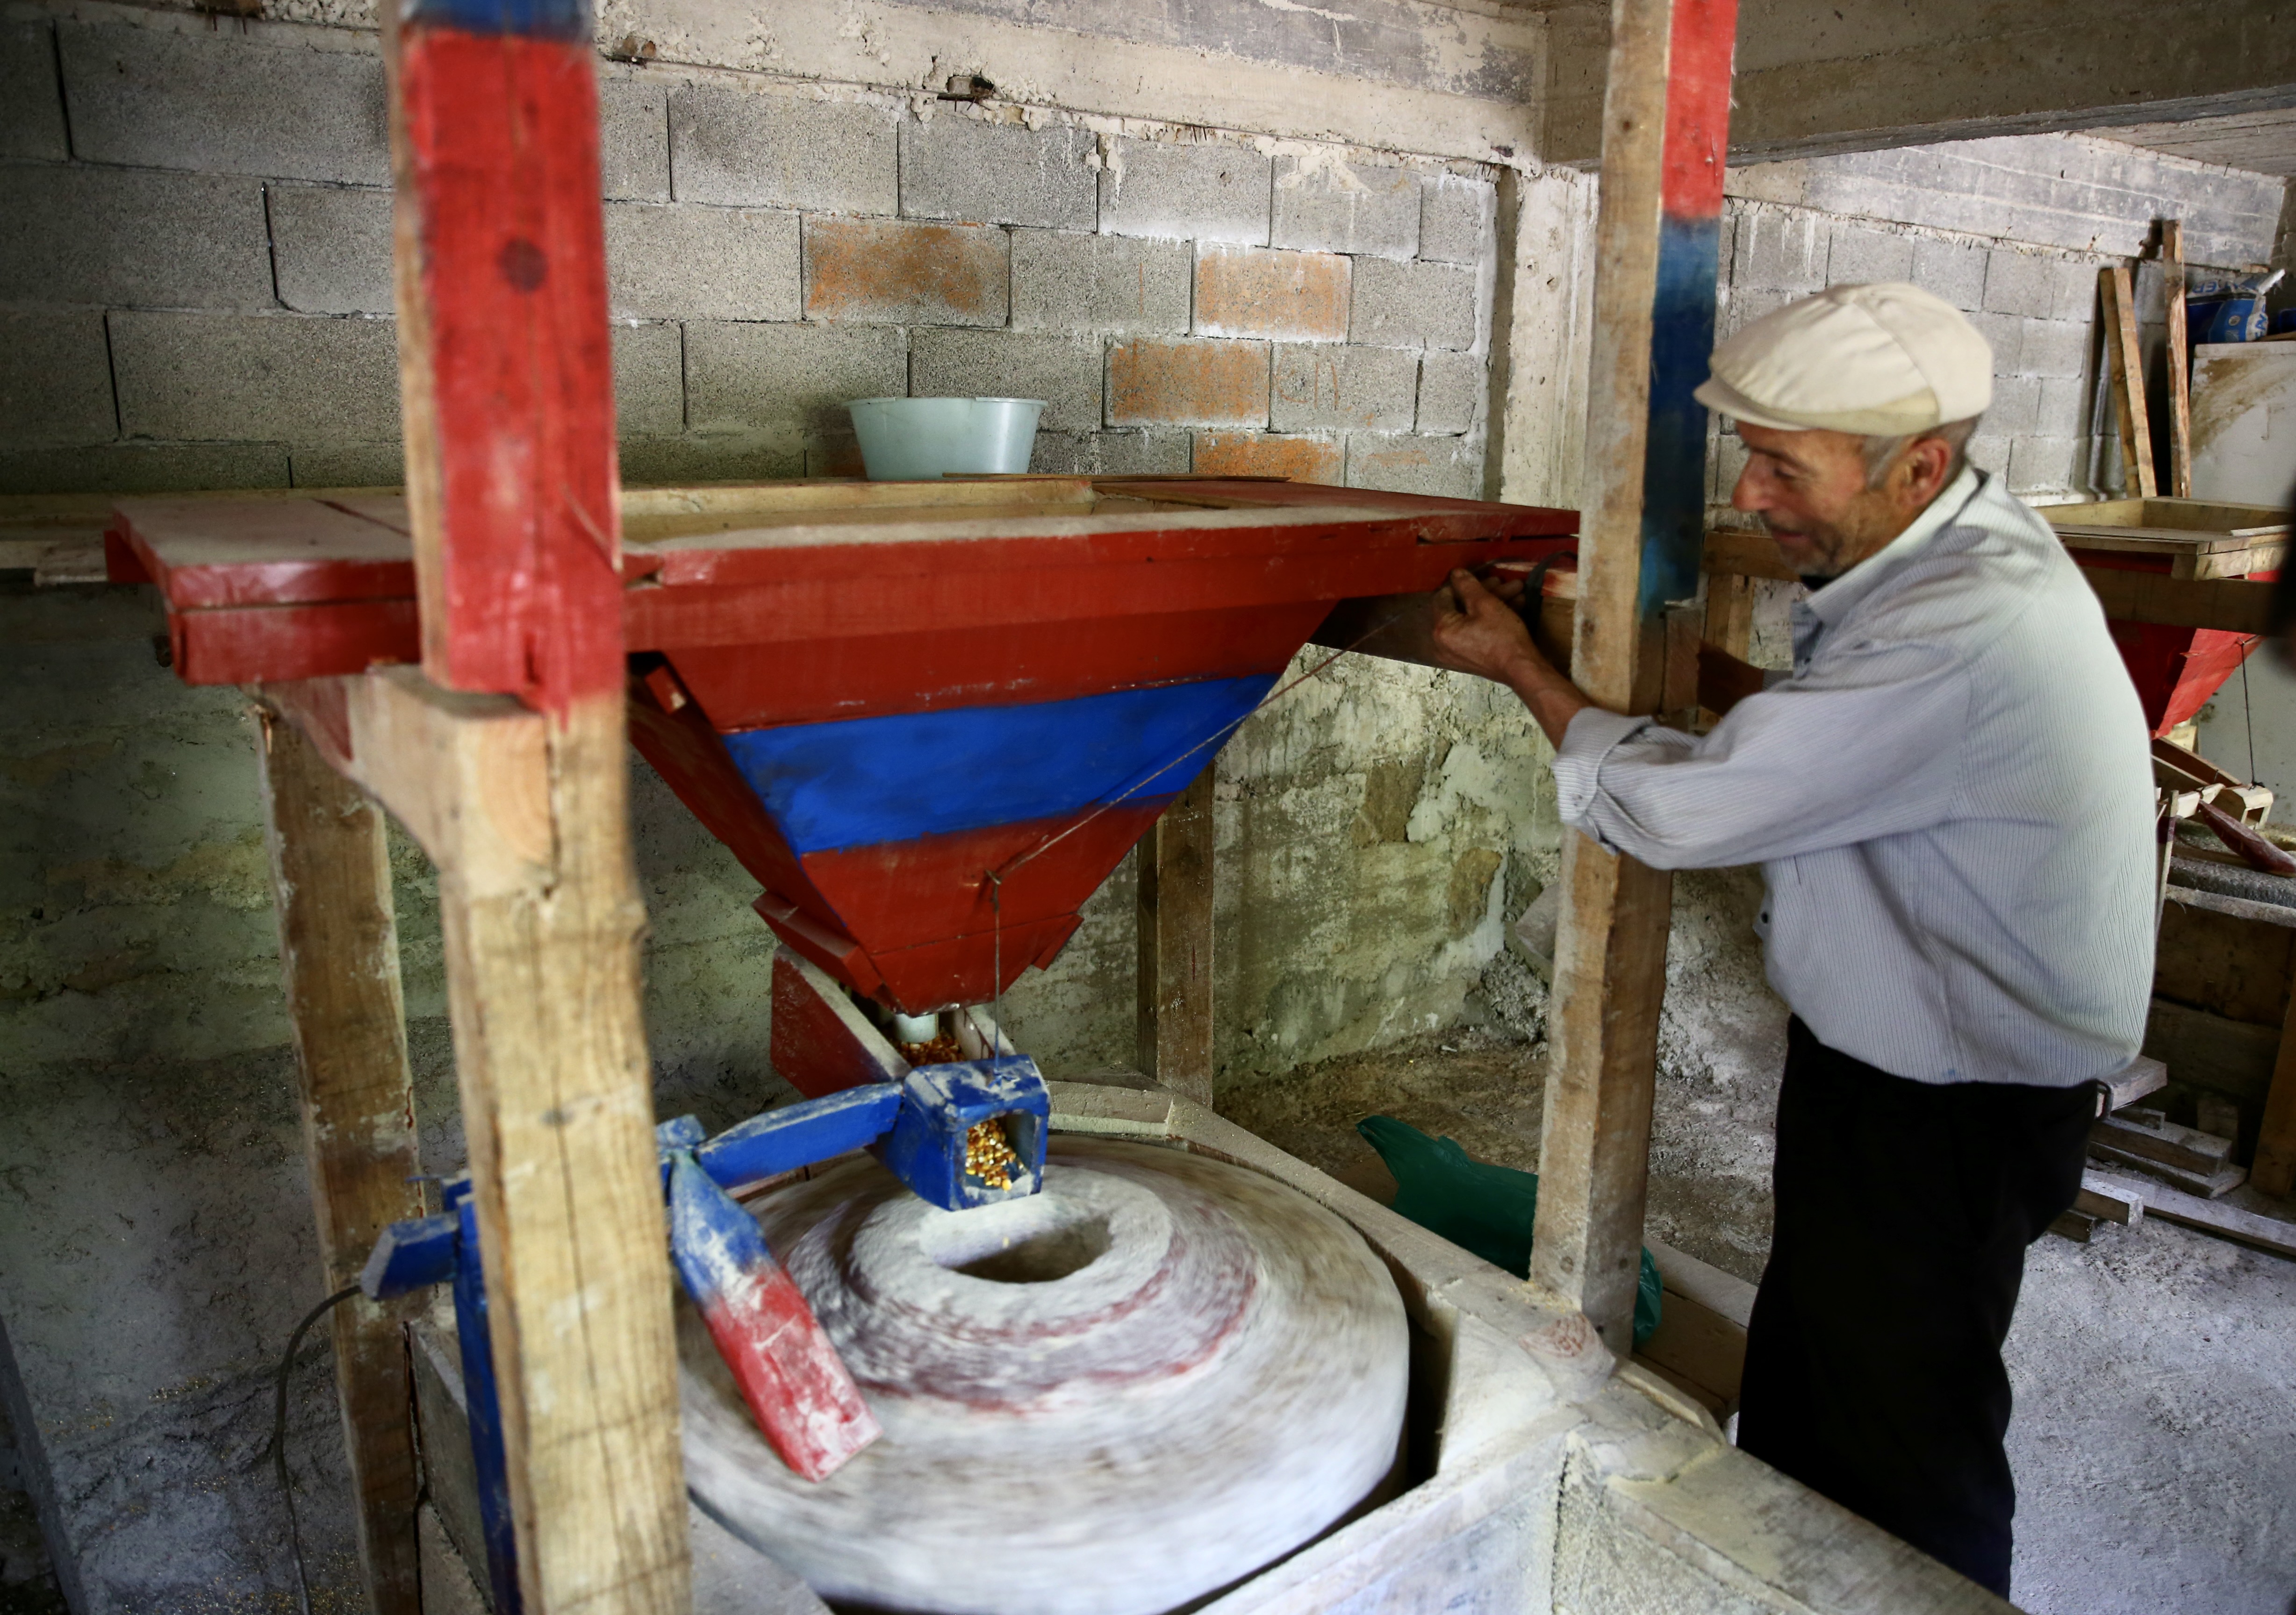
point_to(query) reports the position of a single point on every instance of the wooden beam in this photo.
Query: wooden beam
(2209, 1216)
(1665, 129)
(338, 956)
(2180, 362)
(1175, 862)
(506, 388)
(2124, 362)
(2274, 1168)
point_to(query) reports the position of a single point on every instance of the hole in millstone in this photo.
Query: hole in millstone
(1040, 1257)
(1033, 1240)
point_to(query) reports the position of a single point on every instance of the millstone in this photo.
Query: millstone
(1146, 1381)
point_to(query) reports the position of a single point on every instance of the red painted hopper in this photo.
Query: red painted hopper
(930, 718)
(2176, 670)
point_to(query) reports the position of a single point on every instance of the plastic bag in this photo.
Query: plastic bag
(1477, 1206)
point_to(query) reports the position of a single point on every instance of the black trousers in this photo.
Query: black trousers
(1874, 1369)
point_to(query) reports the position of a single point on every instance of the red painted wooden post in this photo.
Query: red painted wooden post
(507, 384)
(1665, 131)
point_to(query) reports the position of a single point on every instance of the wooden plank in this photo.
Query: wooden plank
(1743, 552)
(2274, 1168)
(1174, 863)
(2211, 1217)
(2229, 1057)
(2143, 1076)
(338, 956)
(2229, 964)
(1665, 130)
(506, 385)
(2076, 1225)
(2100, 1200)
(1730, 613)
(2180, 363)
(2138, 1133)
(2126, 363)
(2230, 604)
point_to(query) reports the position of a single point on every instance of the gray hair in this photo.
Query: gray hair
(1881, 452)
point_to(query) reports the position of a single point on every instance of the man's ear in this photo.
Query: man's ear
(1924, 468)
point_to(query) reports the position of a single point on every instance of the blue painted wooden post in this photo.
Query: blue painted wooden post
(1665, 132)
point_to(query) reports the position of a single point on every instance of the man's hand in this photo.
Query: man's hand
(1476, 629)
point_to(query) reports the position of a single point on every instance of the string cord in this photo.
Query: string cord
(2248, 711)
(279, 1441)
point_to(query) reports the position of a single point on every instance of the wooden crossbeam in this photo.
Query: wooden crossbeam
(339, 956)
(1665, 130)
(2180, 363)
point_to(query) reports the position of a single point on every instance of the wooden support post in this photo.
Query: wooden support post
(1665, 131)
(2124, 362)
(1176, 945)
(506, 387)
(338, 953)
(2180, 361)
(2273, 1167)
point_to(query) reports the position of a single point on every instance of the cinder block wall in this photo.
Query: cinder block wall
(197, 276)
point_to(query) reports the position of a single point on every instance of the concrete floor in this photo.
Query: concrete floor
(2154, 1441)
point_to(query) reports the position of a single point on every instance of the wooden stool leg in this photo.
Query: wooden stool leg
(338, 951)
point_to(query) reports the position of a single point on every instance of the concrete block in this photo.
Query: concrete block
(2046, 464)
(331, 249)
(1268, 292)
(31, 99)
(1065, 372)
(751, 377)
(81, 235)
(953, 166)
(1446, 467)
(2018, 283)
(1344, 207)
(2054, 347)
(671, 260)
(1266, 455)
(2016, 408)
(1120, 285)
(2073, 290)
(1327, 388)
(649, 379)
(1860, 256)
(1741, 306)
(55, 378)
(142, 468)
(347, 466)
(1953, 270)
(233, 377)
(633, 139)
(893, 271)
(1451, 388)
(749, 148)
(2064, 411)
(1205, 193)
(220, 102)
(1456, 218)
(713, 457)
(1989, 452)
(2004, 333)
(1109, 454)
(1412, 305)
(1778, 250)
(1191, 382)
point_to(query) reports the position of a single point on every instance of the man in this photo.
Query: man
(1951, 800)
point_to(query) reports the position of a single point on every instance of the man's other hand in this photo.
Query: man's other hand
(1477, 630)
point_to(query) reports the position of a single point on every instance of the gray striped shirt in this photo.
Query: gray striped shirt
(1951, 798)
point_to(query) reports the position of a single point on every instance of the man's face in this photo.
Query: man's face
(1809, 489)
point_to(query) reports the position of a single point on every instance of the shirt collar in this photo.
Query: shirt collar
(1833, 601)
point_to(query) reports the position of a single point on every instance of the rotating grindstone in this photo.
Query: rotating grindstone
(1147, 1380)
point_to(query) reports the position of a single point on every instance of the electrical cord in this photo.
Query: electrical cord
(279, 1440)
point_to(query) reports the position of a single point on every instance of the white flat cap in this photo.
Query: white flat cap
(1880, 360)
